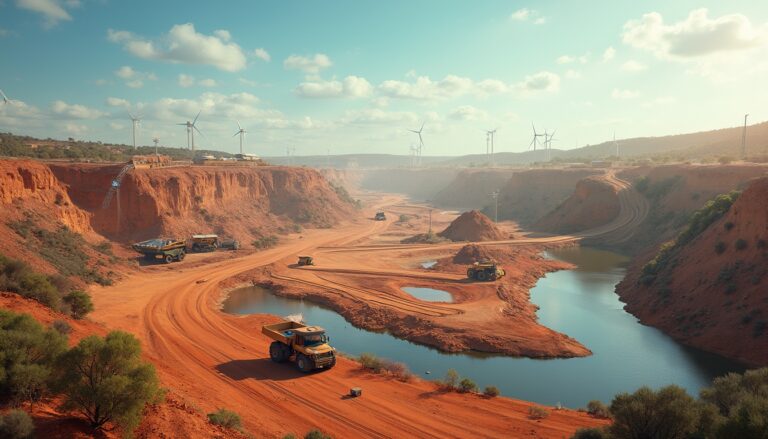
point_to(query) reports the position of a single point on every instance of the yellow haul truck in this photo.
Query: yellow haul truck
(307, 345)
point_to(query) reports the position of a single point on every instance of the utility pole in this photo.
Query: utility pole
(430, 222)
(744, 139)
(495, 196)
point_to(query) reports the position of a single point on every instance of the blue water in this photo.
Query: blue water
(580, 303)
(429, 294)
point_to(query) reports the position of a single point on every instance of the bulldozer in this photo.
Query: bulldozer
(485, 271)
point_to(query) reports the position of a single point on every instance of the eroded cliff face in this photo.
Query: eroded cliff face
(471, 189)
(529, 195)
(593, 203)
(713, 294)
(240, 202)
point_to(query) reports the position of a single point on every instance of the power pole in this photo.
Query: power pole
(495, 196)
(744, 139)
(430, 222)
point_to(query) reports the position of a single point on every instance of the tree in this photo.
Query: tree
(669, 413)
(451, 379)
(106, 381)
(16, 424)
(79, 303)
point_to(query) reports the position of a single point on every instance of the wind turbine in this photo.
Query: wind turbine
(421, 140)
(487, 143)
(492, 134)
(5, 98)
(191, 130)
(156, 140)
(536, 136)
(241, 132)
(135, 122)
(548, 139)
(616, 144)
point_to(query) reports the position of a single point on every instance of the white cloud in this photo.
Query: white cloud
(134, 78)
(565, 59)
(696, 36)
(125, 72)
(262, 54)
(116, 126)
(136, 83)
(75, 111)
(186, 80)
(541, 81)
(526, 14)
(609, 54)
(75, 129)
(207, 82)
(540, 20)
(572, 74)
(452, 86)
(633, 66)
(312, 64)
(375, 116)
(350, 87)
(52, 10)
(624, 94)
(467, 113)
(183, 44)
(248, 82)
(118, 102)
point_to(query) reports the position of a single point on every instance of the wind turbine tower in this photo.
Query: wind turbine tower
(548, 139)
(241, 132)
(616, 144)
(135, 122)
(421, 141)
(156, 140)
(744, 138)
(536, 136)
(191, 127)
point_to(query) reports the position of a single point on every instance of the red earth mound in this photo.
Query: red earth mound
(594, 202)
(471, 253)
(473, 226)
(712, 294)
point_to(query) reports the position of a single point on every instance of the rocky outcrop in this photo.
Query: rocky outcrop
(594, 203)
(712, 293)
(472, 189)
(473, 226)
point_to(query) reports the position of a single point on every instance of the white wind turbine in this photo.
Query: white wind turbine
(548, 139)
(191, 127)
(5, 98)
(135, 123)
(536, 136)
(421, 140)
(241, 132)
(491, 134)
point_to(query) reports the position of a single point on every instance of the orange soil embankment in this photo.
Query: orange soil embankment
(473, 226)
(239, 202)
(710, 300)
(594, 202)
(529, 195)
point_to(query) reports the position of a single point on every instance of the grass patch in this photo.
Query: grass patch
(226, 418)
(265, 242)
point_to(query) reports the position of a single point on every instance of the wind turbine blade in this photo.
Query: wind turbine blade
(233, 135)
(183, 124)
(422, 126)
(420, 139)
(198, 115)
(238, 126)
(5, 98)
(196, 129)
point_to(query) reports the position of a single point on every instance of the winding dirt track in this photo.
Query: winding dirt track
(218, 360)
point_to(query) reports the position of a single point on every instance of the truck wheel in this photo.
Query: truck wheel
(481, 276)
(181, 256)
(303, 363)
(331, 364)
(277, 352)
(168, 259)
(471, 273)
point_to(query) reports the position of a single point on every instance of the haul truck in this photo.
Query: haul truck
(306, 345)
(168, 250)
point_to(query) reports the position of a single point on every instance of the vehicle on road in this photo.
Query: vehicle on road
(306, 345)
(306, 260)
(229, 244)
(380, 216)
(165, 249)
(205, 243)
(485, 271)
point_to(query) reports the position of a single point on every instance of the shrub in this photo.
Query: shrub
(491, 391)
(18, 277)
(591, 433)
(403, 218)
(761, 243)
(724, 160)
(450, 380)
(536, 412)
(265, 242)
(28, 353)
(105, 379)
(316, 434)
(668, 413)
(371, 362)
(598, 409)
(740, 244)
(226, 418)
(61, 326)
(467, 385)
(720, 247)
(16, 424)
(398, 370)
(79, 303)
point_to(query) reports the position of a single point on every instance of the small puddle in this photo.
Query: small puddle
(429, 294)
(428, 264)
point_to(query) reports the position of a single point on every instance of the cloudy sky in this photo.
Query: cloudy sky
(350, 76)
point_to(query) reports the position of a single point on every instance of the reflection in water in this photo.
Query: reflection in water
(429, 294)
(580, 303)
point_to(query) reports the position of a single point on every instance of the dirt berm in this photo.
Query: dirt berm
(473, 226)
(711, 293)
(594, 202)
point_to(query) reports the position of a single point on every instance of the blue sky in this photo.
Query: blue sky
(353, 76)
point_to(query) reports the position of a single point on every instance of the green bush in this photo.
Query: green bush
(598, 409)
(18, 277)
(61, 326)
(669, 413)
(536, 412)
(467, 385)
(28, 353)
(79, 303)
(591, 433)
(265, 242)
(226, 418)
(370, 362)
(16, 424)
(316, 434)
(491, 391)
(106, 380)
(403, 218)
(450, 380)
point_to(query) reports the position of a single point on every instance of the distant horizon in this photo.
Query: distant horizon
(354, 78)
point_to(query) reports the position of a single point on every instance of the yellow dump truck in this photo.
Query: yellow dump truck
(166, 249)
(306, 345)
(485, 270)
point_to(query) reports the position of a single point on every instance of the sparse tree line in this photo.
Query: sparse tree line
(101, 379)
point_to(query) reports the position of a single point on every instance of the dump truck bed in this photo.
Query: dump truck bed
(282, 331)
(157, 246)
